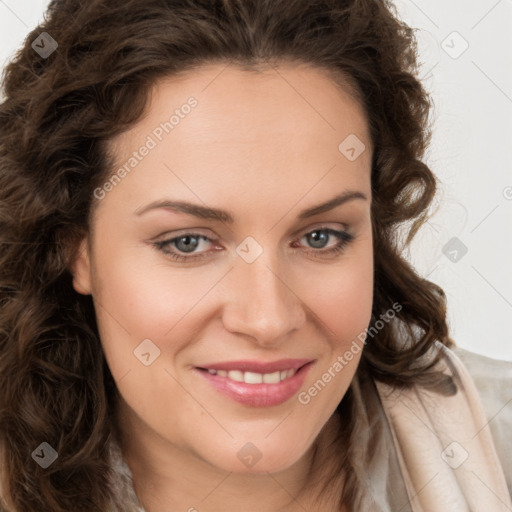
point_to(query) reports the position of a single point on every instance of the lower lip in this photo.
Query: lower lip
(258, 395)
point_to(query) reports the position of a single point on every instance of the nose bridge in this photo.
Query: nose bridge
(262, 304)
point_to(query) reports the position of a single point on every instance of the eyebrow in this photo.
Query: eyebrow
(204, 212)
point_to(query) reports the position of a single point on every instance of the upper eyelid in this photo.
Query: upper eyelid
(299, 232)
(340, 226)
(296, 237)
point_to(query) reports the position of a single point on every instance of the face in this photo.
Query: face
(227, 299)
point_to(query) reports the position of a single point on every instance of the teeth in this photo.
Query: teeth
(272, 378)
(236, 375)
(253, 377)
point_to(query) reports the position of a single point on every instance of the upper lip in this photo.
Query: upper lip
(257, 366)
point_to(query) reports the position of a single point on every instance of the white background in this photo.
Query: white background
(471, 153)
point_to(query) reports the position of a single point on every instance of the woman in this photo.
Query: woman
(204, 302)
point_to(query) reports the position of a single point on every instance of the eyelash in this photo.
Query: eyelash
(344, 237)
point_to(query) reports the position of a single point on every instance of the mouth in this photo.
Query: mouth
(257, 384)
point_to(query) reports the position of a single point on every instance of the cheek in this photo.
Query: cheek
(143, 296)
(342, 297)
(342, 302)
(137, 299)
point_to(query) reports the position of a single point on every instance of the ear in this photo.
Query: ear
(81, 269)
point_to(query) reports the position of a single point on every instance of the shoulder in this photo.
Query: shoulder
(483, 368)
(493, 380)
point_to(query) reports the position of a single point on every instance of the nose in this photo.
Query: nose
(262, 303)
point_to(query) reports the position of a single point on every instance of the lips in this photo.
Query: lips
(256, 383)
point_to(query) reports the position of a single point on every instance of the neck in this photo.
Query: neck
(166, 476)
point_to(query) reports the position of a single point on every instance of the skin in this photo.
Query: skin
(263, 147)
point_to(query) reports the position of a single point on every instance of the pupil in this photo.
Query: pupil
(318, 238)
(188, 246)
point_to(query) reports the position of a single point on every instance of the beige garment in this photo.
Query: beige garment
(445, 445)
(493, 379)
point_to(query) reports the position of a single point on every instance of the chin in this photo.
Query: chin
(258, 457)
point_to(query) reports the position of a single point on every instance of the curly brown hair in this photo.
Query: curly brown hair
(56, 118)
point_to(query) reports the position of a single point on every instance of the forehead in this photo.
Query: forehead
(271, 98)
(271, 127)
(236, 101)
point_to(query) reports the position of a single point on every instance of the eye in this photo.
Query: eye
(187, 244)
(319, 238)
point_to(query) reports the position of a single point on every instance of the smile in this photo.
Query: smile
(272, 385)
